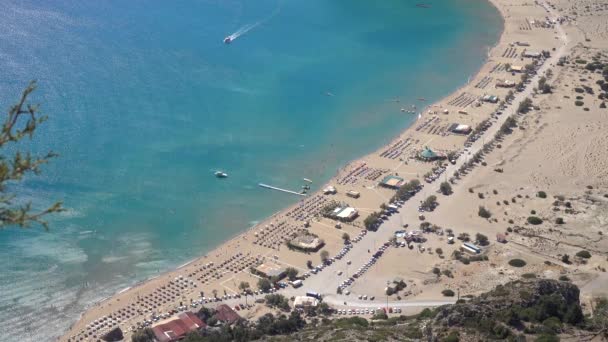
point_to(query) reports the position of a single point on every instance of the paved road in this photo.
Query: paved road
(336, 303)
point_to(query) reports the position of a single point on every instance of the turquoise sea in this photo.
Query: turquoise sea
(145, 101)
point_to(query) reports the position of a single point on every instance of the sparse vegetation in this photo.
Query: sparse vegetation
(448, 293)
(534, 220)
(278, 301)
(517, 263)
(524, 106)
(291, 273)
(372, 221)
(445, 188)
(483, 212)
(482, 239)
(429, 203)
(583, 254)
(324, 255)
(264, 284)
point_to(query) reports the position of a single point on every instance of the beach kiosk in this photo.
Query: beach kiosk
(392, 182)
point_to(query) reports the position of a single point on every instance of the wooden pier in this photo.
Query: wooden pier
(279, 189)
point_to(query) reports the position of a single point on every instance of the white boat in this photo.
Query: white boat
(220, 174)
(228, 40)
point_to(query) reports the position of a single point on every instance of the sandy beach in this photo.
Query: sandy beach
(558, 148)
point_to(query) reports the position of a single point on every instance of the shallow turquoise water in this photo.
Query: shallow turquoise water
(145, 101)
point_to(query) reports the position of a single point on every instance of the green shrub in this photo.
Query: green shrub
(564, 278)
(559, 220)
(534, 220)
(379, 316)
(547, 338)
(445, 188)
(553, 324)
(427, 313)
(542, 194)
(482, 239)
(578, 103)
(483, 212)
(448, 293)
(528, 276)
(517, 263)
(583, 254)
(452, 337)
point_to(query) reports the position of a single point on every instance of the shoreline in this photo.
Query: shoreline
(266, 219)
(226, 244)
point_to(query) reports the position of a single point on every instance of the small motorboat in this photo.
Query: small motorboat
(228, 40)
(220, 174)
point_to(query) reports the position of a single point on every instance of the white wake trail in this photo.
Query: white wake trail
(243, 30)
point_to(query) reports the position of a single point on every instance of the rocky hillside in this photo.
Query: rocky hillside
(526, 310)
(531, 310)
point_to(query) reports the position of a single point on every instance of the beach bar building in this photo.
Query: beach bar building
(429, 155)
(330, 190)
(516, 68)
(270, 270)
(177, 329)
(392, 182)
(345, 213)
(505, 84)
(531, 54)
(460, 129)
(305, 301)
(226, 314)
(490, 98)
(353, 194)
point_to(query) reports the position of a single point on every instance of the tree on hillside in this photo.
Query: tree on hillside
(21, 121)
(264, 284)
(482, 239)
(324, 255)
(524, 106)
(372, 221)
(244, 286)
(346, 238)
(429, 203)
(510, 95)
(292, 273)
(445, 188)
(144, 335)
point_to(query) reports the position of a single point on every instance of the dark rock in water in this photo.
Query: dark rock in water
(113, 335)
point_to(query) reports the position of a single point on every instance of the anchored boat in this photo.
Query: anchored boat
(220, 174)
